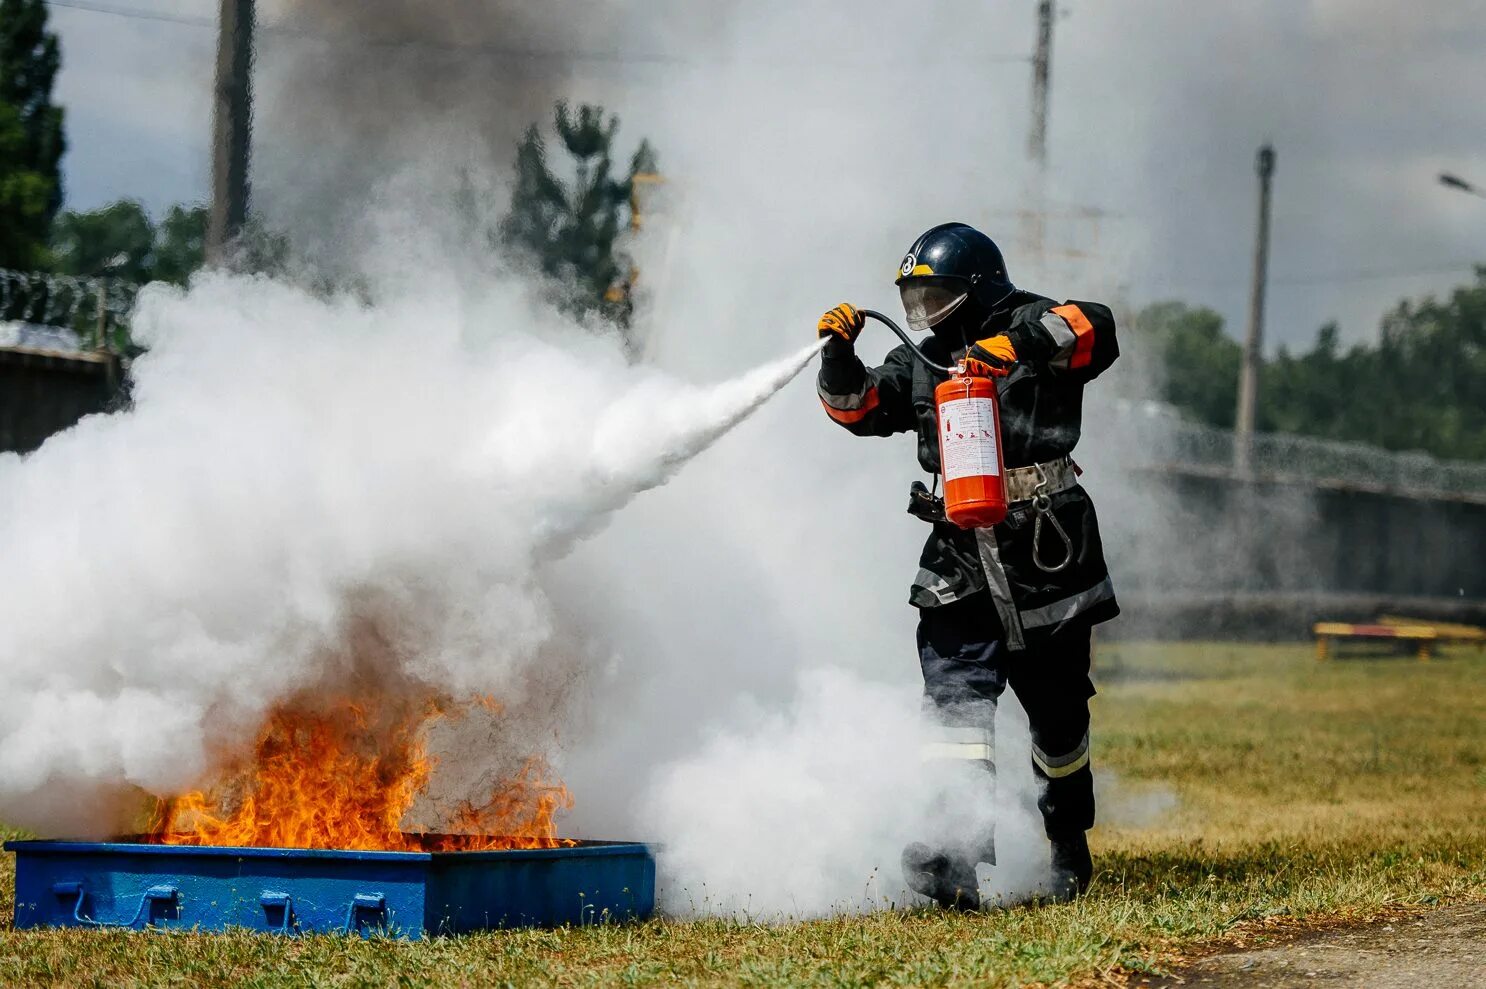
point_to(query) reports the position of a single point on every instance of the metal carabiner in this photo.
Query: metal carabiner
(1042, 505)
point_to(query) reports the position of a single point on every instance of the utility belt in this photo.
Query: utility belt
(1026, 483)
(1036, 484)
(1022, 484)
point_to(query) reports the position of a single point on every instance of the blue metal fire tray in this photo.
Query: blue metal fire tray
(288, 891)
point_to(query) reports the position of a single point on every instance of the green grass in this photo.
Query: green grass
(1303, 792)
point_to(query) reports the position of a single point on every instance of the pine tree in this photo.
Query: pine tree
(31, 140)
(570, 231)
(24, 196)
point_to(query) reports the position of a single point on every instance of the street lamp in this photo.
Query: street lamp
(1456, 182)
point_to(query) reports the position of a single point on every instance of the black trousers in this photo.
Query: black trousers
(966, 666)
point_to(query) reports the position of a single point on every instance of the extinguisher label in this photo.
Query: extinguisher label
(967, 439)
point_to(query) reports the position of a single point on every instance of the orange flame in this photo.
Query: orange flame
(345, 777)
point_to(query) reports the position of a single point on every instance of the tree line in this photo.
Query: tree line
(1420, 386)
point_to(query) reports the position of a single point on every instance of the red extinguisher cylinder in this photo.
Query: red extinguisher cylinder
(970, 455)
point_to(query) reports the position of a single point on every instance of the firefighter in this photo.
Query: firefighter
(1013, 604)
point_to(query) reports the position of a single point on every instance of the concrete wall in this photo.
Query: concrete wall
(1267, 559)
(42, 392)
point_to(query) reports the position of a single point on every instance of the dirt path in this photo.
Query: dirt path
(1444, 948)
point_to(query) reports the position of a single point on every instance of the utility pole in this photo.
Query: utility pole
(1034, 210)
(1042, 67)
(1253, 355)
(231, 127)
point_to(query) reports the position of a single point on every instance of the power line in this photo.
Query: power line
(142, 15)
(1331, 278)
(360, 41)
(536, 54)
(1377, 274)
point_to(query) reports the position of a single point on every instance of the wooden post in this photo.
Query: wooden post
(231, 127)
(1253, 354)
(100, 340)
(1042, 70)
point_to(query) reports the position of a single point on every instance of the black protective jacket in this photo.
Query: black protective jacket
(1060, 349)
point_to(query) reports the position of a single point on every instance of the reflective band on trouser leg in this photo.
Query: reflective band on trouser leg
(1056, 767)
(1069, 607)
(929, 590)
(999, 587)
(961, 742)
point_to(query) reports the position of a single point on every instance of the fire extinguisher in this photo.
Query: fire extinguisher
(970, 457)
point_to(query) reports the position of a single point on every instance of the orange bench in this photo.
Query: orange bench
(1447, 631)
(1328, 632)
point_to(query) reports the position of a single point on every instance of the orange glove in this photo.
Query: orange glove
(990, 358)
(844, 321)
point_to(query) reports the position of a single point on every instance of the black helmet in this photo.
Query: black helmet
(947, 265)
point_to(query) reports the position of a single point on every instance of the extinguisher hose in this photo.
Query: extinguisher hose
(907, 341)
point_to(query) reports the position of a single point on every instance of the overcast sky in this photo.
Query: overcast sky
(1158, 107)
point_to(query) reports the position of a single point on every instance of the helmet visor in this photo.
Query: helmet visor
(928, 301)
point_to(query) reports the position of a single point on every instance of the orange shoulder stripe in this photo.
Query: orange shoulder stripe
(1083, 331)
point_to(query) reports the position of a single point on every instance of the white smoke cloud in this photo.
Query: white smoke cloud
(804, 811)
(175, 571)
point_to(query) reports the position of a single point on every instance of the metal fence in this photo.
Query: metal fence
(1154, 435)
(95, 309)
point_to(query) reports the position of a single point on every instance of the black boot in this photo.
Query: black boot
(1073, 867)
(947, 879)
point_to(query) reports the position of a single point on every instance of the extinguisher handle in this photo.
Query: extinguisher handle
(907, 341)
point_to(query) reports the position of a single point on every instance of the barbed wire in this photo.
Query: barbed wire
(1158, 437)
(1161, 284)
